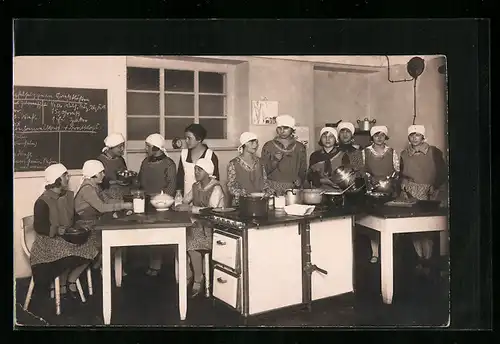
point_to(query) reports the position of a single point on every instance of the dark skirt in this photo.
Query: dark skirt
(45, 273)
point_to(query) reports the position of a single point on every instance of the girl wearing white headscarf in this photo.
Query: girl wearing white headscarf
(51, 255)
(324, 161)
(112, 159)
(246, 173)
(352, 154)
(206, 192)
(157, 174)
(285, 158)
(91, 201)
(423, 177)
(380, 161)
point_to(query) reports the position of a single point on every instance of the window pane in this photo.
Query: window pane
(212, 106)
(216, 128)
(143, 104)
(140, 128)
(179, 80)
(145, 79)
(211, 82)
(179, 105)
(174, 127)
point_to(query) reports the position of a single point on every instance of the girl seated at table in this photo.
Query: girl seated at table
(380, 161)
(325, 160)
(91, 201)
(157, 174)
(51, 255)
(246, 173)
(423, 177)
(206, 192)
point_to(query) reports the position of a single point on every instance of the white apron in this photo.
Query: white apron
(189, 178)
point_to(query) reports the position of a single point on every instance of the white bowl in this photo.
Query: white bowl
(299, 209)
(162, 204)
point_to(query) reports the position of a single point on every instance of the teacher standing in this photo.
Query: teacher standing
(196, 149)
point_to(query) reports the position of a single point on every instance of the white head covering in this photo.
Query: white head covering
(113, 140)
(329, 130)
(285, 121)
(379, 129)
(419, 129)
(158, 141)
(90, 169)
(207, 165)
(346, 125)
(51, 174)
(246, 137)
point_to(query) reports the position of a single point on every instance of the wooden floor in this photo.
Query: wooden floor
(142, 300)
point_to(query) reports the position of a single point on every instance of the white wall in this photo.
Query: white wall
(81, 72)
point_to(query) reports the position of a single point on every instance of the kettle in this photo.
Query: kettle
(366, 124)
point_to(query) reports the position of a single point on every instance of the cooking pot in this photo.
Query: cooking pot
(344, 177)
(313, 196)
(78, 234)
(254, 205)
(335, 198)
(366, 124)
(294, 196)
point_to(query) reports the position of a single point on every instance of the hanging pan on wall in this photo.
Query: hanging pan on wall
(415, 67)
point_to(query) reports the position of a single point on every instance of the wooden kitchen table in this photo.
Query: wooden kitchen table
(390, 220)
(155, 228)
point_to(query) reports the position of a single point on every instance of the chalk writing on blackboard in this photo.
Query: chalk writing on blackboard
(47, 120)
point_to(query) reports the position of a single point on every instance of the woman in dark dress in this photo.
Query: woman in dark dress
(246, 173)
(325, 160)
(352, 154)
(51, 255)
(157, 174)
(112, 159)
(423, 177)
(285, 158)
(206, 192)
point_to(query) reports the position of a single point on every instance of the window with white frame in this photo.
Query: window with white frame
(169, 95)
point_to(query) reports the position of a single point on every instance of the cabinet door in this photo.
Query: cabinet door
(275, 268)
(332, 250)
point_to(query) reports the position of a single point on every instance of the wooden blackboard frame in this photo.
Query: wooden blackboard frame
(73, 172)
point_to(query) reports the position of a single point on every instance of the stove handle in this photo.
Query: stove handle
(221, 280)
(220, 242)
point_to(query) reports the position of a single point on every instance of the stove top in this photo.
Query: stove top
(234, 220)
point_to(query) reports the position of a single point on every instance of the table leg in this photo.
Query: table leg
(106, 281)
(387, 266)
(181, 256)
(118, 266)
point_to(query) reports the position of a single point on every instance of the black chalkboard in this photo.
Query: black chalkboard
(52, 124)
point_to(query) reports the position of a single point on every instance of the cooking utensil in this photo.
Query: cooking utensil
(344, 176)
(294, 196)
(313, 196)
(254, 206)
(366, 124)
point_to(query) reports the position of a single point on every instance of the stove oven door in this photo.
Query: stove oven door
(226, 250)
